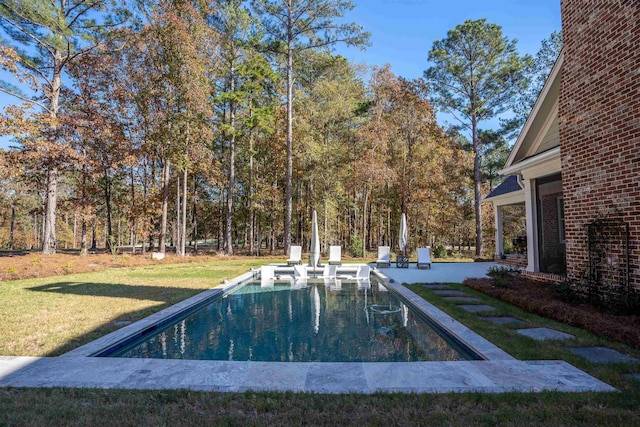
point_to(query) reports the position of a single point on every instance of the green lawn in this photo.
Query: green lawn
(50, 316)
(50, 306)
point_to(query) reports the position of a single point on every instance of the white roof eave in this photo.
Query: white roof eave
(555, 72)
(536, 160)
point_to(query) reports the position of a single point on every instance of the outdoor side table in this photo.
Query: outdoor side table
(402, 261)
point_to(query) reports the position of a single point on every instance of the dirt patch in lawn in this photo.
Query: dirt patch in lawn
(536, 297)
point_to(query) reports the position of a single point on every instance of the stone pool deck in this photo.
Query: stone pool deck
(500, 373)
(351, 377)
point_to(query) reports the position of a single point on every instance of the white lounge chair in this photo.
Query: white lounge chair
(335, 255)
(267, 276)
(296, 256)
(424, 258)
(384, 256)
(300, 271)
(362, 277)
(363, 272)
(299, 276)
(329, 271)
(329, 274)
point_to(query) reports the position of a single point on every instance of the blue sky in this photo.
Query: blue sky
(403, 31)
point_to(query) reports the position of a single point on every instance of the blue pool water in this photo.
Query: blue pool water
(312, 323)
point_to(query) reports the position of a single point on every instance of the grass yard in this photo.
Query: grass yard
(50, 316)
(82, 407)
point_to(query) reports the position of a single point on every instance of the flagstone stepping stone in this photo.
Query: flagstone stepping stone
(542, 334)
(462, 299)
(436, 286)
(504, 320)
(602, 355)
(477, 308)
(451, 293)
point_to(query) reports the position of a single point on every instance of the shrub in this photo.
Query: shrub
(355, 246)
(67, 267)
(502, 272)
(12, 270)
(439, 251)
(113, 247)
(501, 275)
(564, 291)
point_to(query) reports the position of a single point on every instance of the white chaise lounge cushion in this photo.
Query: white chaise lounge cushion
(424, 258)
(384, 256)
(296, 255)
(335, 255)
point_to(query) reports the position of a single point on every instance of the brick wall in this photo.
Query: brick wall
(599, 115)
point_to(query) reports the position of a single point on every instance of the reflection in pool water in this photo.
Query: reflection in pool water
(315, 322)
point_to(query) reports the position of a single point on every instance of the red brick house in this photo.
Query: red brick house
(577, 159)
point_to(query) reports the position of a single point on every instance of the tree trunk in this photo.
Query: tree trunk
(194, 218)
(178, 227)
(477, 183)
(49, 239)
(165, 204)
(326, 224)
(132, 220)
(12, 226)
(289, 167)
(107, 200)
(84, 250)
(364, 221)
(220, 215)
(232, 170)
(94, 242)
(252, 215)
(183, 234)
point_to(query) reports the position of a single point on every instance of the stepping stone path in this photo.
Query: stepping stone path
(504, 320)
(451, 293)
(602, 355)
(542, 334)
(592, 354)
(462, 299)
(477, 308)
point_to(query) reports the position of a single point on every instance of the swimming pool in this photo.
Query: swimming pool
(492, 369)
(336, 321)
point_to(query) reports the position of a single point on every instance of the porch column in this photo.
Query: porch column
(531, 211)
(499, 232)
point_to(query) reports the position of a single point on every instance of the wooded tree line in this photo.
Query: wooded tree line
(167, 123)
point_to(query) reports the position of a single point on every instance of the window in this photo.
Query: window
(561, 218)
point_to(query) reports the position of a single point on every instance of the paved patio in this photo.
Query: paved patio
(440, 272)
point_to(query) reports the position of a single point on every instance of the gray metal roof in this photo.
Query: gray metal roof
(509, 185)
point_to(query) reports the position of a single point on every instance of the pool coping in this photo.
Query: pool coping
(499, 373)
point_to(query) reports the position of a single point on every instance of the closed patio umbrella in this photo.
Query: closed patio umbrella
(404, 234)
(314, 254)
